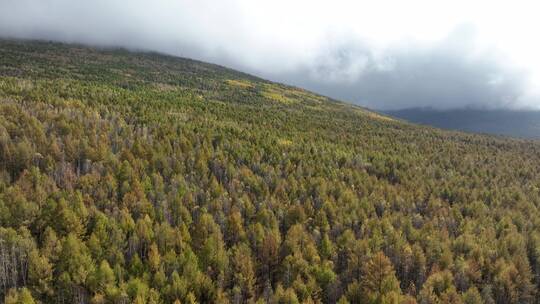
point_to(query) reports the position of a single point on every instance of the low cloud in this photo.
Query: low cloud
(448, 73)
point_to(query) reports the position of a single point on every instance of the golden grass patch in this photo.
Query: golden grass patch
(239, 83)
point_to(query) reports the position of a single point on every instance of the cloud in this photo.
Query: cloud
(355, 52)
(448, 74)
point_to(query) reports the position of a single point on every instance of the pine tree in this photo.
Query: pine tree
(379, 283)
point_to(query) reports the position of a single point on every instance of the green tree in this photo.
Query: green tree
(22, 296)
(40, 273)
(75, 266)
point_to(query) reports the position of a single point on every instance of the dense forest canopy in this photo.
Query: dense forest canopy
(143, 178)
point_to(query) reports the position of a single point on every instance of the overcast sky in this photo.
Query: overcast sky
(381, 54)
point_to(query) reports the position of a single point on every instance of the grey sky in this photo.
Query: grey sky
(383, 54)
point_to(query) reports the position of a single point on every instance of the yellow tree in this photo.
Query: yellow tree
(379, 283)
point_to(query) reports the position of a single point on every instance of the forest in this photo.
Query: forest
(137, 177)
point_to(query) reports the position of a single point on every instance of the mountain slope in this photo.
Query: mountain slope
(525, 124)
(137, 177)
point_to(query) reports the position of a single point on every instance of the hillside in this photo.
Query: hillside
(143, 178)
(525, 124)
